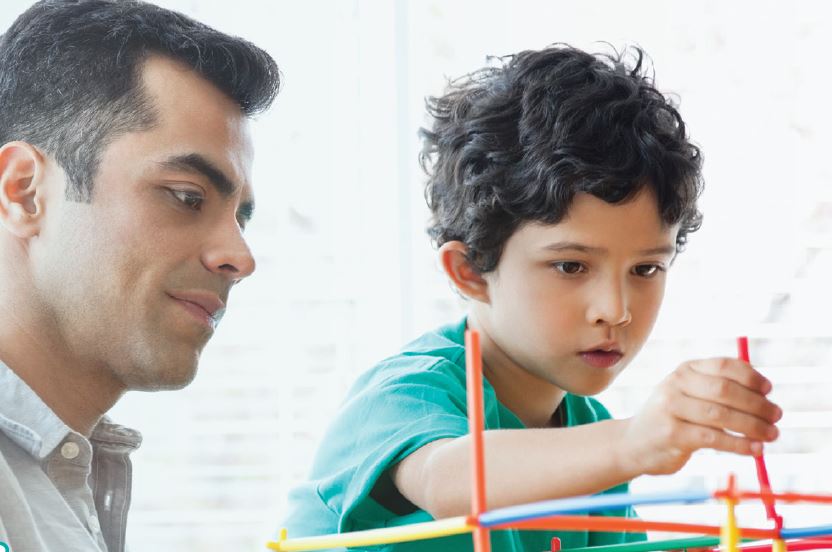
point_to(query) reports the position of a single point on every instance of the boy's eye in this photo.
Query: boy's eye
(569, 267)
(647, 270)
(191, 200)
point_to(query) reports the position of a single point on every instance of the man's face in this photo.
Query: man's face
(572, 303)
(136, 279)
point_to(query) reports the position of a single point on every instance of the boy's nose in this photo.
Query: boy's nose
(609, 306)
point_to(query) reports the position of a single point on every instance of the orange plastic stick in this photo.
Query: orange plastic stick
(781, 497)
(476, 426)
(626, 525)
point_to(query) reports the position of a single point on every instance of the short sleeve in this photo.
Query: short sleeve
(382, 423)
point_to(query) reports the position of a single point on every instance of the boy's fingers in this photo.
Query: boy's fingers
(699, 437)
(720, 417)
(728, 393)
(733, 369)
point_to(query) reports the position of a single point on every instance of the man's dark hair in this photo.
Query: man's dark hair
(70, 75)
(515, 143)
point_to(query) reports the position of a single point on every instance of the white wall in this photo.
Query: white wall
(346, 275)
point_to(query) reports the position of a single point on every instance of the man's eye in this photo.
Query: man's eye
(569, 267)
(192, 200)
(647, 270)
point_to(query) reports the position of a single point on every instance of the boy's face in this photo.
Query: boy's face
(572, 303)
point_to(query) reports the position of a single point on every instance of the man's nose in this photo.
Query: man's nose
(228, 254)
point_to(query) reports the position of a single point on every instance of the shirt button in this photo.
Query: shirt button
(70, 450)
(95, 527)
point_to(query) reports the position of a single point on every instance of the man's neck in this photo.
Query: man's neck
(76, 391)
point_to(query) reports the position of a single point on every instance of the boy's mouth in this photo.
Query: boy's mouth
(601, 358)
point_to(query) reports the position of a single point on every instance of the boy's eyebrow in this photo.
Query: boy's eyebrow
(575, 246)
(663, 250)
(198, 164)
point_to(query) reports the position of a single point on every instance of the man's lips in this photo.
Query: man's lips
(207, 307)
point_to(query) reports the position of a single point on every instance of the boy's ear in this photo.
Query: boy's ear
(22, 188)
(469, 282)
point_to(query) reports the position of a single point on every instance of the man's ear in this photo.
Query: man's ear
(22, 188)
(469, 282)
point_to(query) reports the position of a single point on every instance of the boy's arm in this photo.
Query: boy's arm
(522, 465)
(691, 409)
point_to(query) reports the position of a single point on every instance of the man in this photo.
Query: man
(125, 163)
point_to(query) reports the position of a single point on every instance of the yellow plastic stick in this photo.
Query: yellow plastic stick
(371, 537)
(730, 532)
(778, 545)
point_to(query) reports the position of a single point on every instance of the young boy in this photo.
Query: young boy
(562, 186)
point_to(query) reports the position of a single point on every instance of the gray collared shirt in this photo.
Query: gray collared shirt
(60, 491)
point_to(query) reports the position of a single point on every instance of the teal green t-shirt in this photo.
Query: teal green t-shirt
(399, 406)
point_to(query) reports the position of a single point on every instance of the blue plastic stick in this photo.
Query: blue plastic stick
(800, 532)
(586, 504)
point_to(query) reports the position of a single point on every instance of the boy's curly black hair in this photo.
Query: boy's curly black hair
(515, 143)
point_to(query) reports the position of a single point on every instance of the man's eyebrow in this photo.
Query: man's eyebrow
(575, 246)
(196, 163)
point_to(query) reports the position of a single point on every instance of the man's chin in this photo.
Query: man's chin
(156, 379)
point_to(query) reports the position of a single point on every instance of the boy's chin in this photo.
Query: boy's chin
(587, 388)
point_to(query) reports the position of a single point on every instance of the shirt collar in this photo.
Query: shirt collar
(33, 426)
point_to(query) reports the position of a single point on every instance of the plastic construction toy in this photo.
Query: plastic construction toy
(571, 513)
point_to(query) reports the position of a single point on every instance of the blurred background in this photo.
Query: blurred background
(346, 274)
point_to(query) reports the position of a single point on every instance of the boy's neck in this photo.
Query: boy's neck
(532, 399)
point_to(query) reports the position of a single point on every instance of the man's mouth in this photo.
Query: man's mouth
(207, 308)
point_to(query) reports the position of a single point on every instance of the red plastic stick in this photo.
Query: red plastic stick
(759, 461)
(476, 426)
(626, 525)
(814, 543)
(742, 349)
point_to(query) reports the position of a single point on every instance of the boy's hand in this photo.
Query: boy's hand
(717, 403)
